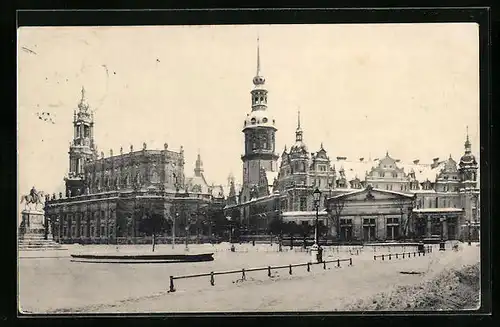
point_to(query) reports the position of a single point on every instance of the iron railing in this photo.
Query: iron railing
(243, 271)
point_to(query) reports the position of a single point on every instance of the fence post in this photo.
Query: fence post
(212, 280)
(396, 255)
(403, 255)
(324, 265)
(290, 269)
(308, 267)
(172, 289)
(382, 257)
(268, 271)
(350, 261)
(374, 257)
(423, 253)
(243, 277)
(414, 254)
(338, 263)
(390, 256)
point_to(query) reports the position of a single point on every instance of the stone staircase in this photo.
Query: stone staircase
(36, 241)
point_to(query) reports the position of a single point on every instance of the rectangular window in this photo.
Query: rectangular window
(346, 221)
(346, 233)
(392, 232)
(303, 204)
(368, 233)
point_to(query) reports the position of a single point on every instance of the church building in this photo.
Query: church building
(108, 198)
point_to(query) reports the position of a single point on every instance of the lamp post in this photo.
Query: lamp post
(316, 250)
(468, 233)
(442, 243)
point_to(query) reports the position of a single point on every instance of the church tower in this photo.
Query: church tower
(468, 177)
(82, 148)
(259, 129)
(468, 166)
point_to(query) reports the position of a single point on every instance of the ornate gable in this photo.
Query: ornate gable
(370, 194)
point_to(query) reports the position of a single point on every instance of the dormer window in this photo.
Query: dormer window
(253, 121)
(264, 120)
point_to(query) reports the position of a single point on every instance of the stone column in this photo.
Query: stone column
(429, 226)
(445, 228)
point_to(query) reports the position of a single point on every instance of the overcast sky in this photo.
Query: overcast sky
(409, 89)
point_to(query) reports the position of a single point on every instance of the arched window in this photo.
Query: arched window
(154, 177)
(253, 121)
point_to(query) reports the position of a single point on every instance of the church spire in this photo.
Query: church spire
(467, 142)
(258, 80)
(83, 105)
(298, 132)
(198, 170)
(258, 58)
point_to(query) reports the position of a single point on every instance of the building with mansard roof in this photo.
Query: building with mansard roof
(387, 199)
(108, 197)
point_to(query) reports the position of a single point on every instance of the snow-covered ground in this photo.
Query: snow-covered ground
(55, 284)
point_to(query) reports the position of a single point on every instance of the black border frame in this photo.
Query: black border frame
(480, 15)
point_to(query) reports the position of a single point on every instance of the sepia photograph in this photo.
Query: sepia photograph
(248, 168)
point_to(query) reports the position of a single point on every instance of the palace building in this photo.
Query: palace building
(107, 198)
(363, 200)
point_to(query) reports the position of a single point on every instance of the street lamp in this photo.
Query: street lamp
(316, 250)
(173, 228)
(442, 243)
(468, 232)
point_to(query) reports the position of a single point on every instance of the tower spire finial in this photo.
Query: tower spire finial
(467, 132)
(83, 106)
(298, 118)
(258, 56)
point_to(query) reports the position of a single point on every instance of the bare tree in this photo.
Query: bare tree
(337, 205)
(401, 204)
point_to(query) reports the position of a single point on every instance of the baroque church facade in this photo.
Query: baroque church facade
(362, 200)
(108, 197)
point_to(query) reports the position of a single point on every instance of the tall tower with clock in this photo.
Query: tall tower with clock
(259, 130)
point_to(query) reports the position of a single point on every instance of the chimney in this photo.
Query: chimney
(416, 161)
(361, 159)
(398, 160)
(341, 158)
(435, 160)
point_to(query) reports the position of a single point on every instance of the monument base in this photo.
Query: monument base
(316, 254)
(33, 234)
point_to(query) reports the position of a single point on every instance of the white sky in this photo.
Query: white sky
(362, 89)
